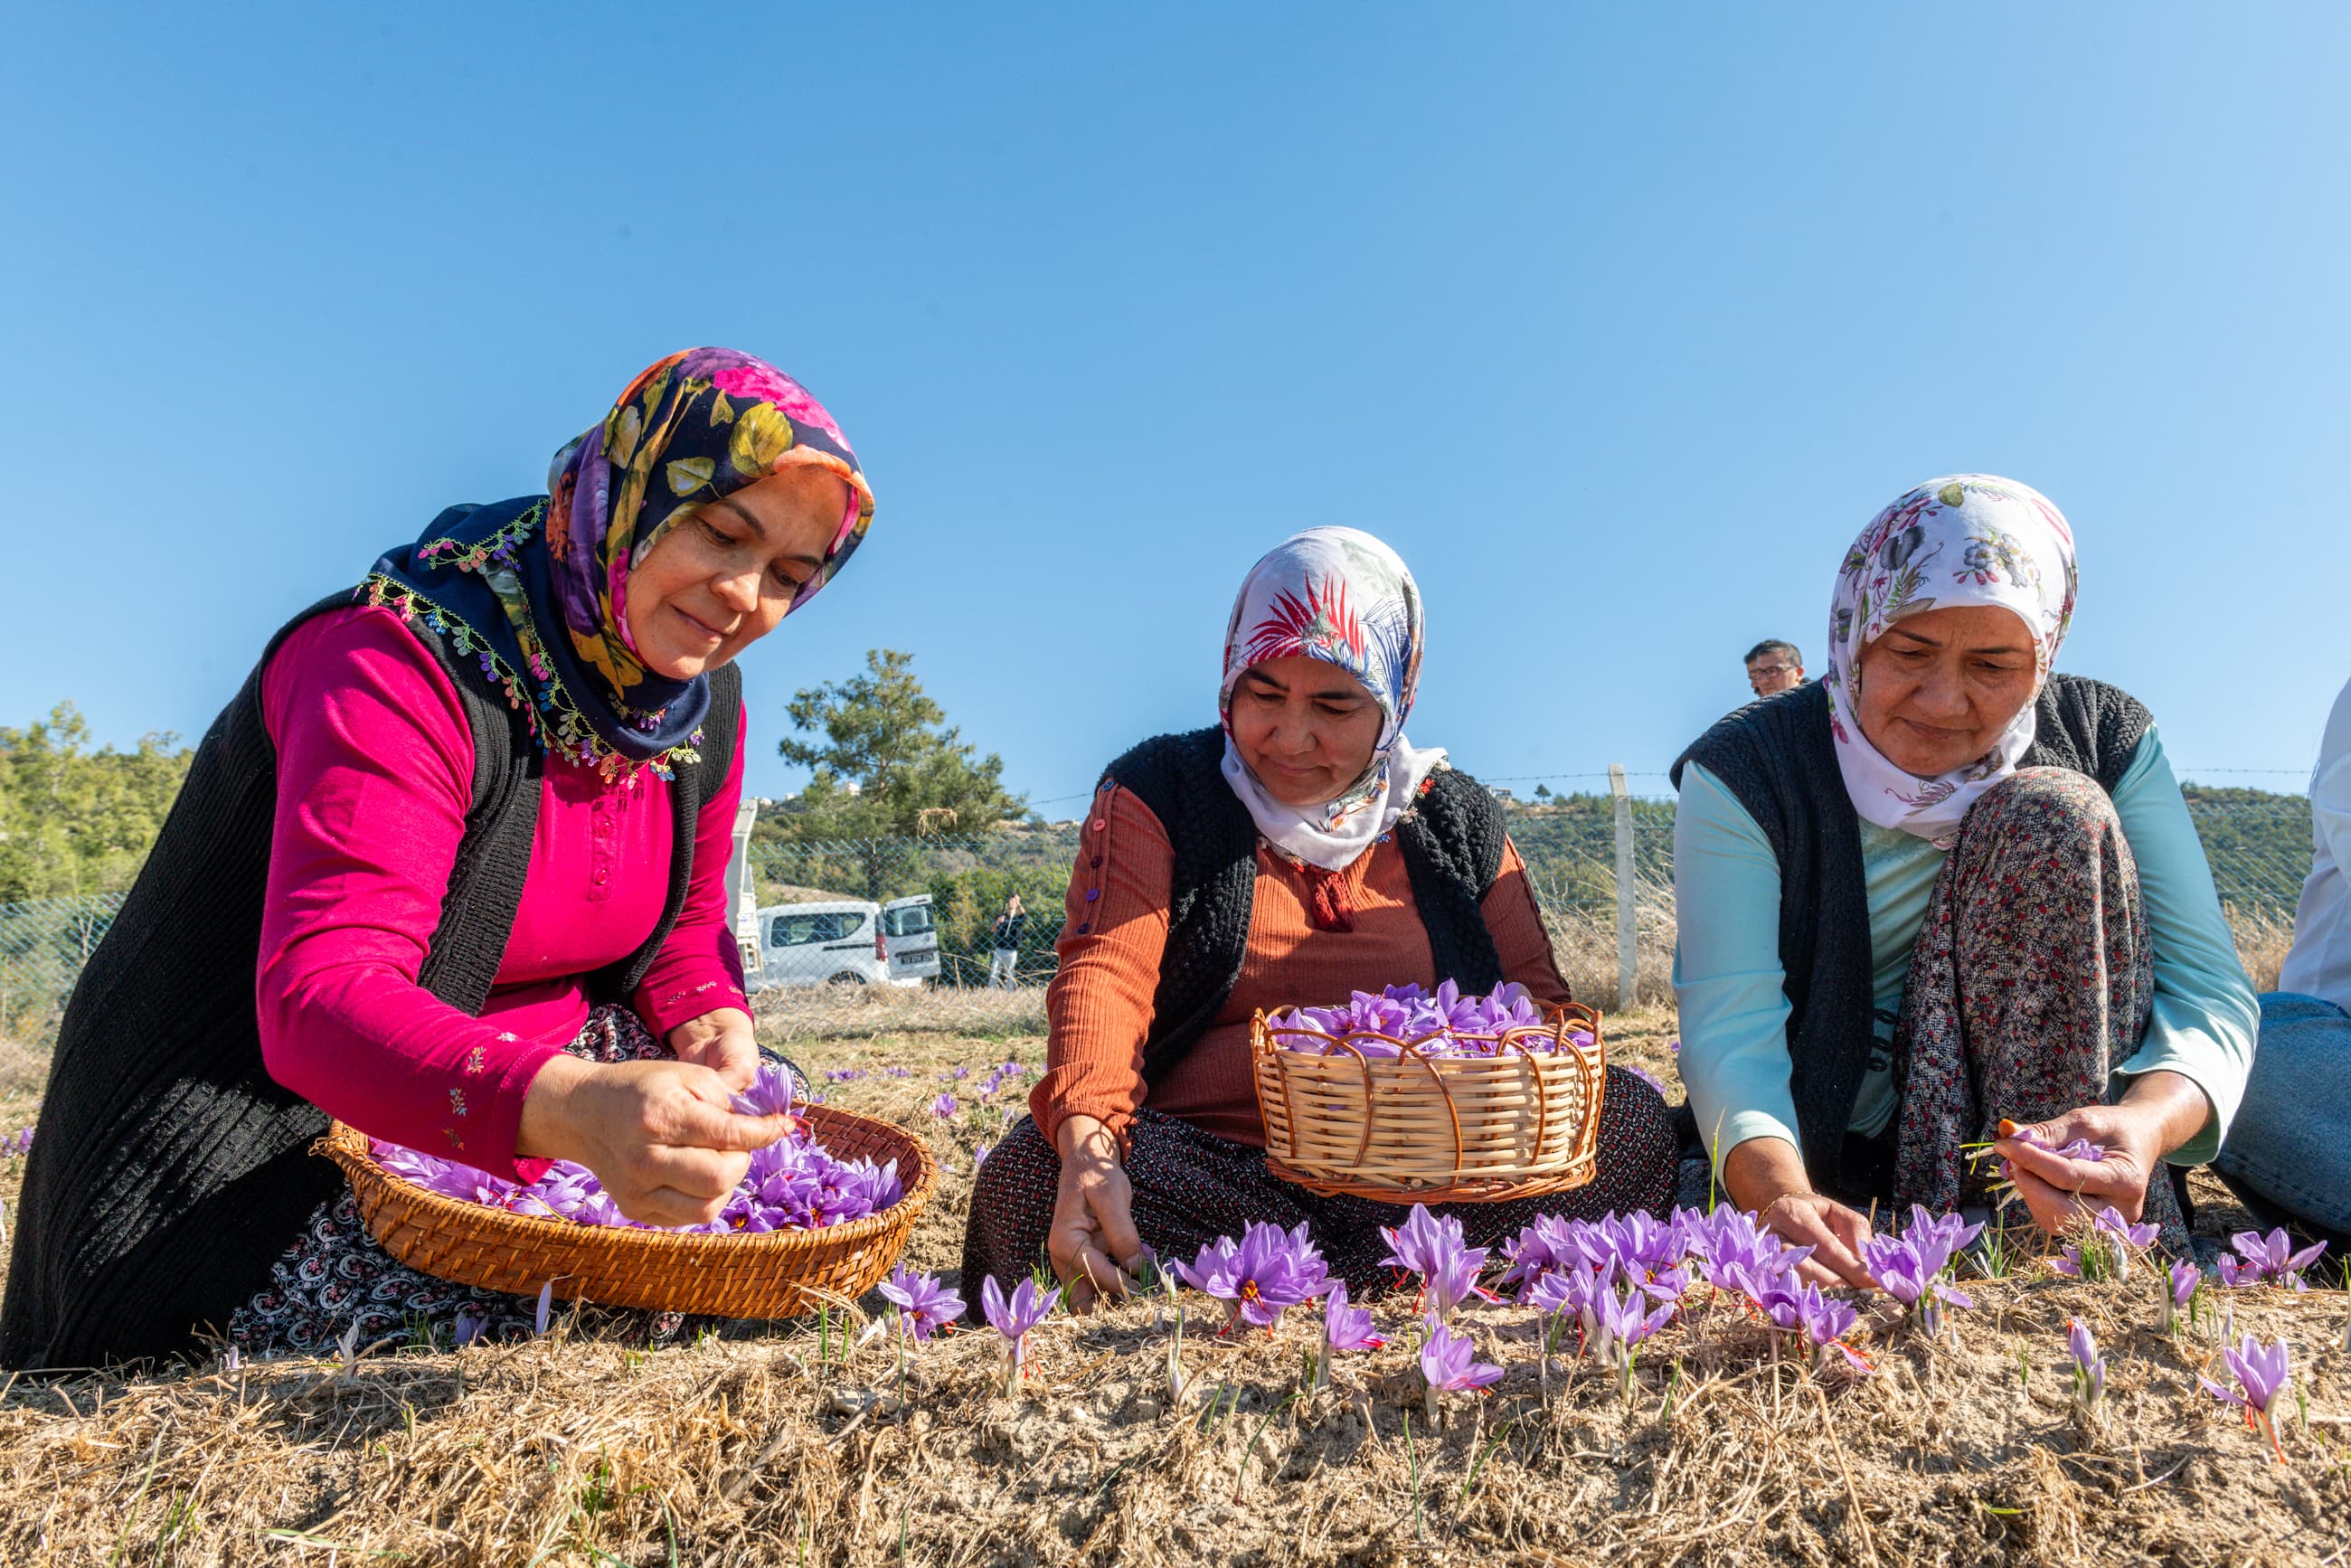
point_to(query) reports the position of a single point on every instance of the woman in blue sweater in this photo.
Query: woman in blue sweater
(1945, 895)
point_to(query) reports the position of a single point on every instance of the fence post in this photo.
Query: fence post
(1629, 951)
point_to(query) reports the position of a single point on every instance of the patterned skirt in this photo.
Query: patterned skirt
(335, 1274)
(2031, 981)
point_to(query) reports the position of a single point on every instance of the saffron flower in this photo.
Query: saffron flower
(1432, 1246)
(1910, 1267)
(1455, 1280)
(2089, 1370)
(770, 1094)
(1013, 1319)
(2261, 1373)
(1820, 1323)
(2179, 1288)
(2267, 1260)
(1344, 1328)
(1449, 1365)
(1268, 1272)
(979, 1156)
(924, 1305)
(945, 1107)
(1442, 1022)
(1619, 1325)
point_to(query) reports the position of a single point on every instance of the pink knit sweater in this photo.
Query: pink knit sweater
(375, 768)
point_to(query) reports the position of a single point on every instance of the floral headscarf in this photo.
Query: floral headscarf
(1971, 538)
(1344, 597)
(538, 588)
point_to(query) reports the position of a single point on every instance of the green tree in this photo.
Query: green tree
(74, 821)
(884, 763)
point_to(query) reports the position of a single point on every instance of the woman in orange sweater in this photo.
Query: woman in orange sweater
(1302, 850)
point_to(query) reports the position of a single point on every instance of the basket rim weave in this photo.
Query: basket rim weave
(665, 1257)
(1566, 1020)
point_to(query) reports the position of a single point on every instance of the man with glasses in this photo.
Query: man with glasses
(1774, 666)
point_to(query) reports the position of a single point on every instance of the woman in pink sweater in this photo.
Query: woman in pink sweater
(500, 780)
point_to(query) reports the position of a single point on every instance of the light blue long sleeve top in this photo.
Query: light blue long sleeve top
(1730, 984)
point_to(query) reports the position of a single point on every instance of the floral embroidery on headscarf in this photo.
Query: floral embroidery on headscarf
(1344, 597)
(538, 589)
(1967, 539)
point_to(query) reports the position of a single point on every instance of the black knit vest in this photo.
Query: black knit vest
(1777, 758)
(171, 1170)
(1452, 843)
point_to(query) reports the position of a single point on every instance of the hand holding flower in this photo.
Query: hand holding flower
(2159, 1112)
(661, 1136)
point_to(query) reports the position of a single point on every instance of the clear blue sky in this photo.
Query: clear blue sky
(1618, 323)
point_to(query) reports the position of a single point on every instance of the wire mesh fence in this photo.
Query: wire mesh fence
(845, 926)
(42, 946)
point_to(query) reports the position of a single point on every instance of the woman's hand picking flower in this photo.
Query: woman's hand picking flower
(1766, 1177)
(662, 1136)
(2161, 1112)
(1093, 1243)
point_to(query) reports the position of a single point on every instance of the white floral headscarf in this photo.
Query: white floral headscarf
(1342, 596)
(1969, 538)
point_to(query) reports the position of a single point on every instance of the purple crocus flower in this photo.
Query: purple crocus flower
(1455, 1280)
(1423, 1240)
(472, 1323)
(1735, 1253)
(1270, 1271)
(1545, 1247)
(2262, 1373)
(1619, 1324)
(945, 1107)
(1449, 1363)
(924, 1305)
(979, 1156)
(770, 1094)
(1819, 1321)
(1346, 1327)
(2267, 1259)
(1432, 1246)
(1013, 1319)
(2179, 1289)
(2089, 1369)
(1909, 1266)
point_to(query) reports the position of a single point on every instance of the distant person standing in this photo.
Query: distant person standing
(1774, 666)
(1004, 937)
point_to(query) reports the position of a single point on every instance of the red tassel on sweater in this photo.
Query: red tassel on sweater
(1329, 906)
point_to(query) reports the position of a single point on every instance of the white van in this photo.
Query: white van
(836, 942)
(912, 941)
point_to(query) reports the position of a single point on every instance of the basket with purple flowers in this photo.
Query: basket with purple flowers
(821, 1214)
(1418, 1096)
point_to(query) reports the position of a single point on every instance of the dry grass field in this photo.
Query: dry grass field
(796, 1442)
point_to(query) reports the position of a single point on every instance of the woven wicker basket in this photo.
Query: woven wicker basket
(1411, 1128)
(775, 1274)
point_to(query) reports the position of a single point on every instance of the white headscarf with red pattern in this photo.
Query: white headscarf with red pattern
(1968, 538)
(1342, 596)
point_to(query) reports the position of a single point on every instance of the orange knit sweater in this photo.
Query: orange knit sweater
(1099, 1006)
